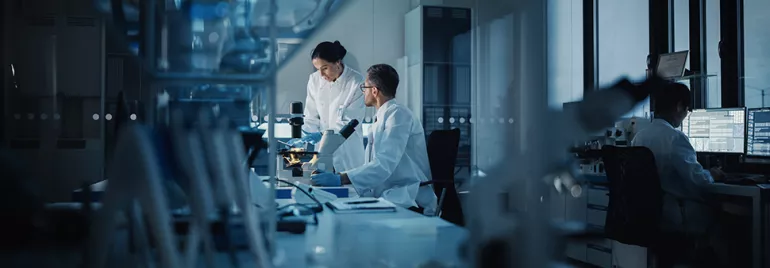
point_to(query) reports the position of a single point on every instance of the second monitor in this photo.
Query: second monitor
(758, 143)
(716, 130)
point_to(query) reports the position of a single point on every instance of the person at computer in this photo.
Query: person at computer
(682, 178)
(396, 155)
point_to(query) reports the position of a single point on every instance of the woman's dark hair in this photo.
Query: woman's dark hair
(328, 51)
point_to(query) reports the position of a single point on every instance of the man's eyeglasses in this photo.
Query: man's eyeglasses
(364, 87)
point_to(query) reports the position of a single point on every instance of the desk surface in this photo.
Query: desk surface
(738, 190)
(400, 239)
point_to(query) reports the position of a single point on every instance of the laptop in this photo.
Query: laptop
(671, 65)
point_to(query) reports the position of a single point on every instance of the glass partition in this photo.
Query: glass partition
(756, 53)
(218, 56)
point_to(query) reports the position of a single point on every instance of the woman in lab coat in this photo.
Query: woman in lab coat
(334, 98)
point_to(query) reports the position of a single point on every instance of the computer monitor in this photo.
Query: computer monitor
(671, 65)
(758, 132)
(716, 130)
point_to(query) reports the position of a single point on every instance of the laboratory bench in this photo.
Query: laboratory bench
(591, 208)
(400, 239)
(97, 190)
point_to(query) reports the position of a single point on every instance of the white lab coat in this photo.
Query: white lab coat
(681, 176)
(332, 105)
(396, 160)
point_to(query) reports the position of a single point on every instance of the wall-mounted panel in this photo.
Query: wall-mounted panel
(443, 50)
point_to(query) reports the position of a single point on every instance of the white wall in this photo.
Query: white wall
(624, 43)
(371, 30)
(565, 52)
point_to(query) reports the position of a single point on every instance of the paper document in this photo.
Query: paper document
(361, 205)
(418, 226)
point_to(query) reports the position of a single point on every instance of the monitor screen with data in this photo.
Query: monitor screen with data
(758, 138)
(716, 130)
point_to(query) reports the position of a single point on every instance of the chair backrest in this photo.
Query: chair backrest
(442, 154)
(636, 198)
(122, 113)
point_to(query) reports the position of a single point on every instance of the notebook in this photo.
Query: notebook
(361, 205)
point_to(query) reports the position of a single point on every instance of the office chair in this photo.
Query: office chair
(122, 113)
(442, 154)
(120, 117)
(636, 204)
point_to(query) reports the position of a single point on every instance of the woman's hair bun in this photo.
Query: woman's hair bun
(340, 49)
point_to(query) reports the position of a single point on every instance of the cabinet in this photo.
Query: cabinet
(54, 112)
(591, 208)
(438, 63)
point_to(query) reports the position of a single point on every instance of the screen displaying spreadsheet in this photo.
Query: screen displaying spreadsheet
(716, 130)
(758, 130)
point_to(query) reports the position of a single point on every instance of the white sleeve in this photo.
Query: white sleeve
(312, 118)
(390, 146)
(354, 106)
(685, 161)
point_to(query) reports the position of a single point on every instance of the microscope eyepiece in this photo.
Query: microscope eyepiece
(348, 129)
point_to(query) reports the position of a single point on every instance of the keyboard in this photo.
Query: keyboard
(744, 179)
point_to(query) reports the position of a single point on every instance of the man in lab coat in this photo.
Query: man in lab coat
(682, 178)
(396, 155)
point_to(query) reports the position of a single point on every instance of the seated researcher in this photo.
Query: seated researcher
(682, 178)
(396, 157)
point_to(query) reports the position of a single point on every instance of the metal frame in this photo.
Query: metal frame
(661, 29)
(590, 46)
(698, 85)
(661, 34)
(731, 52)
(5, 32)
(103, 95)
